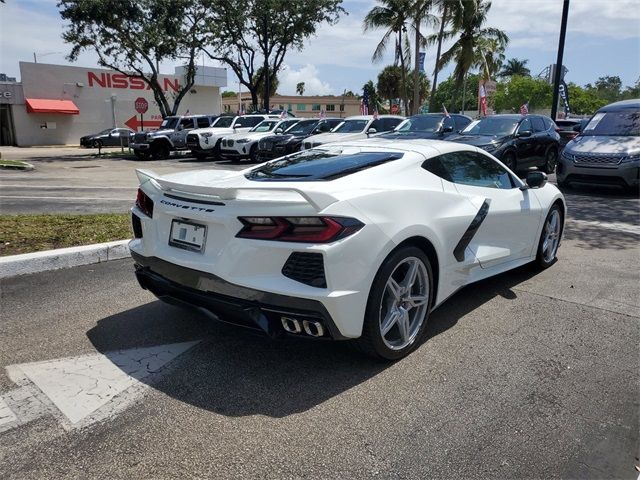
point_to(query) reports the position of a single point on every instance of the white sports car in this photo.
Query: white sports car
(360, 240)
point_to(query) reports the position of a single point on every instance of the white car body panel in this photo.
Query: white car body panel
(337, 137)
(243, 149)
(208, 137)
(396, 201)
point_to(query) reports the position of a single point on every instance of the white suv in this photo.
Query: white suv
(245, 145)
(355, 128)
(204, 142)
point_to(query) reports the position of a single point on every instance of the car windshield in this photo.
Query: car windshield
(319, 165)
(104, 132)
(169, 122)
(624, 124)
(351, 126)
(265, 126)
(492, 126)
(302, 128)
(286, 124)
(223, 122)
(244, 122)
(420, 123)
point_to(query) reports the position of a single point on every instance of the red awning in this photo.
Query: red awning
(41, 105)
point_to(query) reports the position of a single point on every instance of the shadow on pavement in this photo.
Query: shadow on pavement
(594, 237)
(237, 373)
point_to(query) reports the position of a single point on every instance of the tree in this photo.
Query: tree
(632, 91)
(247, 34)
(608, 88)
(300, 88)
(134, 36)
(584, 101)
(511, 95)
(229, 94)
(274, 82)
(515, 66)
(468, 50)
(393, 16)
(390, 82)
(419, 14)
(447, 9)
(374, 99)
(423, 90)
(450, 94)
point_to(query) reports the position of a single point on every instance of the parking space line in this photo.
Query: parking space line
(21, 197)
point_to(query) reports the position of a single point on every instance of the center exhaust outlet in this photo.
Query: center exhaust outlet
(315, 329)
(291, 325)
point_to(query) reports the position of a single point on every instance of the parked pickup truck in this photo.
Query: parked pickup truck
(171, 136)
(205, 142)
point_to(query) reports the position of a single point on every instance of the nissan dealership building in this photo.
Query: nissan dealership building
(58, 104)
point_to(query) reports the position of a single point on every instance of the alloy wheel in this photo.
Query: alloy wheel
(551, 237)
(404, 303)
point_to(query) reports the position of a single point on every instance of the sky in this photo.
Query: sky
(603, 38)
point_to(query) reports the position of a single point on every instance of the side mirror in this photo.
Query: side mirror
(371, 130)
(448, 129)
(279, 130)
(535, 180)
(577, 127)
(524, 133)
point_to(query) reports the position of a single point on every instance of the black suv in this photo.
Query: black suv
(519, 141)
(278, 145)
(433, 126)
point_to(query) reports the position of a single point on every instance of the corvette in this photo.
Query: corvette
(359, 240)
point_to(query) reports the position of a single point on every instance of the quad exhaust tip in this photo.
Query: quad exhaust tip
(310, 327)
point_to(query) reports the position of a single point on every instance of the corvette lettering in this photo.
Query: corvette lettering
(187, 207)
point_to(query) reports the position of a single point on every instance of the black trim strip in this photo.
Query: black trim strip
(186, 199)
(468, 235)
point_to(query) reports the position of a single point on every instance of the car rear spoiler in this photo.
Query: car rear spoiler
(318, 200)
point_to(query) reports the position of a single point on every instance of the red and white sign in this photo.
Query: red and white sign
(134, 123)
(395, 108)
(141, 105)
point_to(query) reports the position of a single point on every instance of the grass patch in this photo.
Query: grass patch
(17, 164)
(118, 153)
(33, 233)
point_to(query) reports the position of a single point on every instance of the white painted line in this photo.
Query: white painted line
(6, 414)
(128, 199)
(69, 187)
(617, 226)
(82, 390)
(36, 262)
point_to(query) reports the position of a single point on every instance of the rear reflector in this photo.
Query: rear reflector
(298, 229)
(144, 203)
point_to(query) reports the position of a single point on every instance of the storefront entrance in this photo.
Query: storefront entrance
(7, 135)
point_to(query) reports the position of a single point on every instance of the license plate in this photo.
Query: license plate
(188, 236)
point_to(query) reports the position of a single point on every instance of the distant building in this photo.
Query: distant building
(58, 104)
(299, 105)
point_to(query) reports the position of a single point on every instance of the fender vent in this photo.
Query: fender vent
(307, 268)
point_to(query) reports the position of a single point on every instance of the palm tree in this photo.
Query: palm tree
(515, 66)
(300, 88)
(419, 14)
(469, 48)
(392, 15)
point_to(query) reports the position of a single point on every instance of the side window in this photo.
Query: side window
(525, 125)
(334, 123)
(377, 124)
(323, 127)
(470, 168)
(538, 124)
(548, 123)
(390, 123)
(462, 122)
(447, 123)
(203, 122)
(186, 123)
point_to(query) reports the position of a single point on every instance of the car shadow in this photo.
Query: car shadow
(236, 373)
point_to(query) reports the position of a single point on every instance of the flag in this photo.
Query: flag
(364, 103)
(446, 112)
(482, 98)
(187, 112)
(375, 113)
(524, 109)
(323, 113)
(283, 114)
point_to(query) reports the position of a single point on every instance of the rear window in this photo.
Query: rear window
(313, 165)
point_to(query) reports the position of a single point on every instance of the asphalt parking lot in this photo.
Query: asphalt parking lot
(527, 375)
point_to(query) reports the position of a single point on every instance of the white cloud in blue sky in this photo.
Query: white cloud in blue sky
(603, 39)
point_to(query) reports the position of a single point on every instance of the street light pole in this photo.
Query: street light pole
(558, 72)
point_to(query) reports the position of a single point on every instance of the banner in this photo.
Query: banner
(564, 95)
(421, 57)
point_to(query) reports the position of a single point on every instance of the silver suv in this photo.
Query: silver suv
(607, 151)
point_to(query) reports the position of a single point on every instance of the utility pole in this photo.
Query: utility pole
(266, 66)
(558, 72)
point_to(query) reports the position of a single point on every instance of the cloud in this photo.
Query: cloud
(289, 77)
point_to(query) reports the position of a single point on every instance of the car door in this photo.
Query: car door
(525, 143)
(179, 136)
(509, 217)
(541, 140)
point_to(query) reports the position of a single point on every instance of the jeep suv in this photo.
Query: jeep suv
(170, 136)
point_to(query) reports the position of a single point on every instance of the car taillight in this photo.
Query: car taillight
(144, 203)
(298, 229)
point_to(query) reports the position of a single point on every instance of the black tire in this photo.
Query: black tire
(160, 151)
(200, 155)
(544, 261)
(96, 144)
(509, 159)
(550, 160)
(141, 155)
(371, 341)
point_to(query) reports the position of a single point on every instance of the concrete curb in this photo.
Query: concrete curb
(36, 262)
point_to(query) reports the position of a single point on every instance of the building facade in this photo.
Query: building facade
(58, 104)
(298, 105)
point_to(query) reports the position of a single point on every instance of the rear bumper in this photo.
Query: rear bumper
(230, 303)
